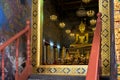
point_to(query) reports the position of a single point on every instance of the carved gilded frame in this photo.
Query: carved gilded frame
(36, 49)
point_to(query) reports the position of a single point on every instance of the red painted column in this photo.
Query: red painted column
(28, 43)
(94, 60)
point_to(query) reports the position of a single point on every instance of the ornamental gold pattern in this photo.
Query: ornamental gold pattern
(73, 70)
(104, 8)
(34, 33)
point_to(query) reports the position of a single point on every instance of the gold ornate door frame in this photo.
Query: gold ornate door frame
(104, 8)
(37, 31)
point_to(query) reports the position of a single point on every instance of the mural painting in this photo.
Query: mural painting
(13, 16)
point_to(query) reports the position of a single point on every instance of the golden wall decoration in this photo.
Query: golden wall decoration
(104, 8)
(74, 70)
(37, 24)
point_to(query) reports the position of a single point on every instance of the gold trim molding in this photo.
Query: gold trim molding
(73, 70)
(104, 8)
(37, 31)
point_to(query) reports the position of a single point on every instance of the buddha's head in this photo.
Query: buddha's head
(82, 27)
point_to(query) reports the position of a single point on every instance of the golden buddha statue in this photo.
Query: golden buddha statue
(82, 37)
(80, 44)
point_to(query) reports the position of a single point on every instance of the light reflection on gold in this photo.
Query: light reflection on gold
(40, 31)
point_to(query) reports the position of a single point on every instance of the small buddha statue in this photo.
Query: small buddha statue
(82, 37)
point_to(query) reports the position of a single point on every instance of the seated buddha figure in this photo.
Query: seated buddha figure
(82, 36)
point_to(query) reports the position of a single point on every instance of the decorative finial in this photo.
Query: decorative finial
(99, 14)
(28, 22)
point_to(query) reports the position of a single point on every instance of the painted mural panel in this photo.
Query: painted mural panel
(13, 16)
(117, 33)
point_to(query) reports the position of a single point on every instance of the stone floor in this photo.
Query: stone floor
(55, 77)
(58, 77)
